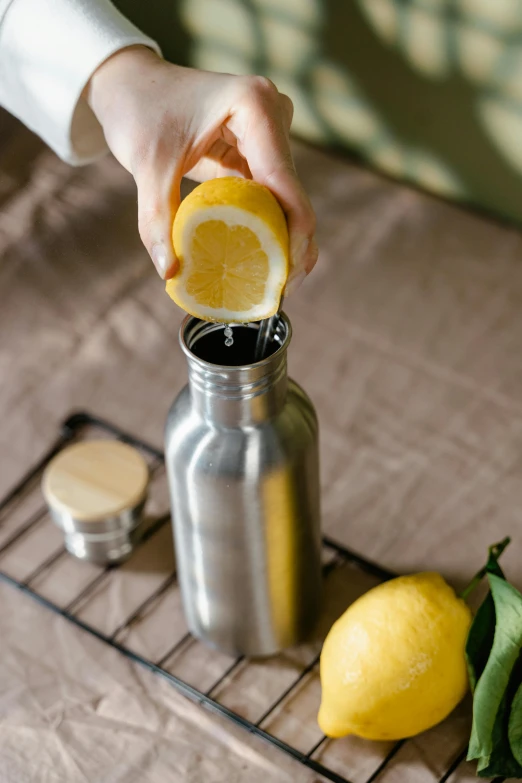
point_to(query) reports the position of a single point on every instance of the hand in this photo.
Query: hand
(163, 122)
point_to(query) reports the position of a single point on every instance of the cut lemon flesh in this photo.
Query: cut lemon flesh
(231, 239)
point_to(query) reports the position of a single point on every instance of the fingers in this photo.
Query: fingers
(260, 123)
(287, 109)
(158, 200)
(220, 160)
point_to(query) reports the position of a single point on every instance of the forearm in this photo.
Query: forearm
(48, 51)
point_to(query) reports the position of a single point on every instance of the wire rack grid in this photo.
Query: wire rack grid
(293, 692)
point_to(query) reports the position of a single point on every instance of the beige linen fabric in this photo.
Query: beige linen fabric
(409, 340)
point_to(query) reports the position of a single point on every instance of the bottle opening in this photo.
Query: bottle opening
(206, 341)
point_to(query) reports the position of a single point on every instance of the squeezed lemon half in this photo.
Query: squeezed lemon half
(231, 239)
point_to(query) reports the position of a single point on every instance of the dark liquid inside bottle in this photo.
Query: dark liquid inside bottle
(211, 347)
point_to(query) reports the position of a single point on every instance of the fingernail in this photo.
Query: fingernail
(294, 282)
(160, 259)
(172, 270)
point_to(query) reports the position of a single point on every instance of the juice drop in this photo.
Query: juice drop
(229, 339)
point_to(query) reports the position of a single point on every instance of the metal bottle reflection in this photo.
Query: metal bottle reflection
(242, 461)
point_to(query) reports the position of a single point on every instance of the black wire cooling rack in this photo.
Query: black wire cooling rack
(23, 516)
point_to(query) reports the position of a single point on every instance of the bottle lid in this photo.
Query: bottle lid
(95, 479)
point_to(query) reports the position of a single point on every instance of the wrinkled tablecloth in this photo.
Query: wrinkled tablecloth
(408, 338)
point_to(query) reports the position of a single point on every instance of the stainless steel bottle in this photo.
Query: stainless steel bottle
(242, 462)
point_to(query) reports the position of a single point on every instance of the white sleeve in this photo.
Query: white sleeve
(48, 51)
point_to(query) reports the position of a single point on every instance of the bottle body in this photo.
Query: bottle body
(242, 462)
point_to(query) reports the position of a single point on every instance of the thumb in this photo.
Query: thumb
(158, 200)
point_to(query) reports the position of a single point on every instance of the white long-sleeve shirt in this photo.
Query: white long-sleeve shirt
(49, 49)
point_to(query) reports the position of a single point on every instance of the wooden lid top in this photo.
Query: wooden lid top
(95, 479)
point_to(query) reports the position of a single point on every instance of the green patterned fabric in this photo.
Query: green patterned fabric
(426, 90)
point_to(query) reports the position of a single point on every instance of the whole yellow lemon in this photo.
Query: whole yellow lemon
(393, 665)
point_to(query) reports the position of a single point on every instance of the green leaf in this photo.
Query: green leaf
(482, 631)
(501, 761)
(480, 640)
(491, 566)
(515, 725)
(494, 680)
